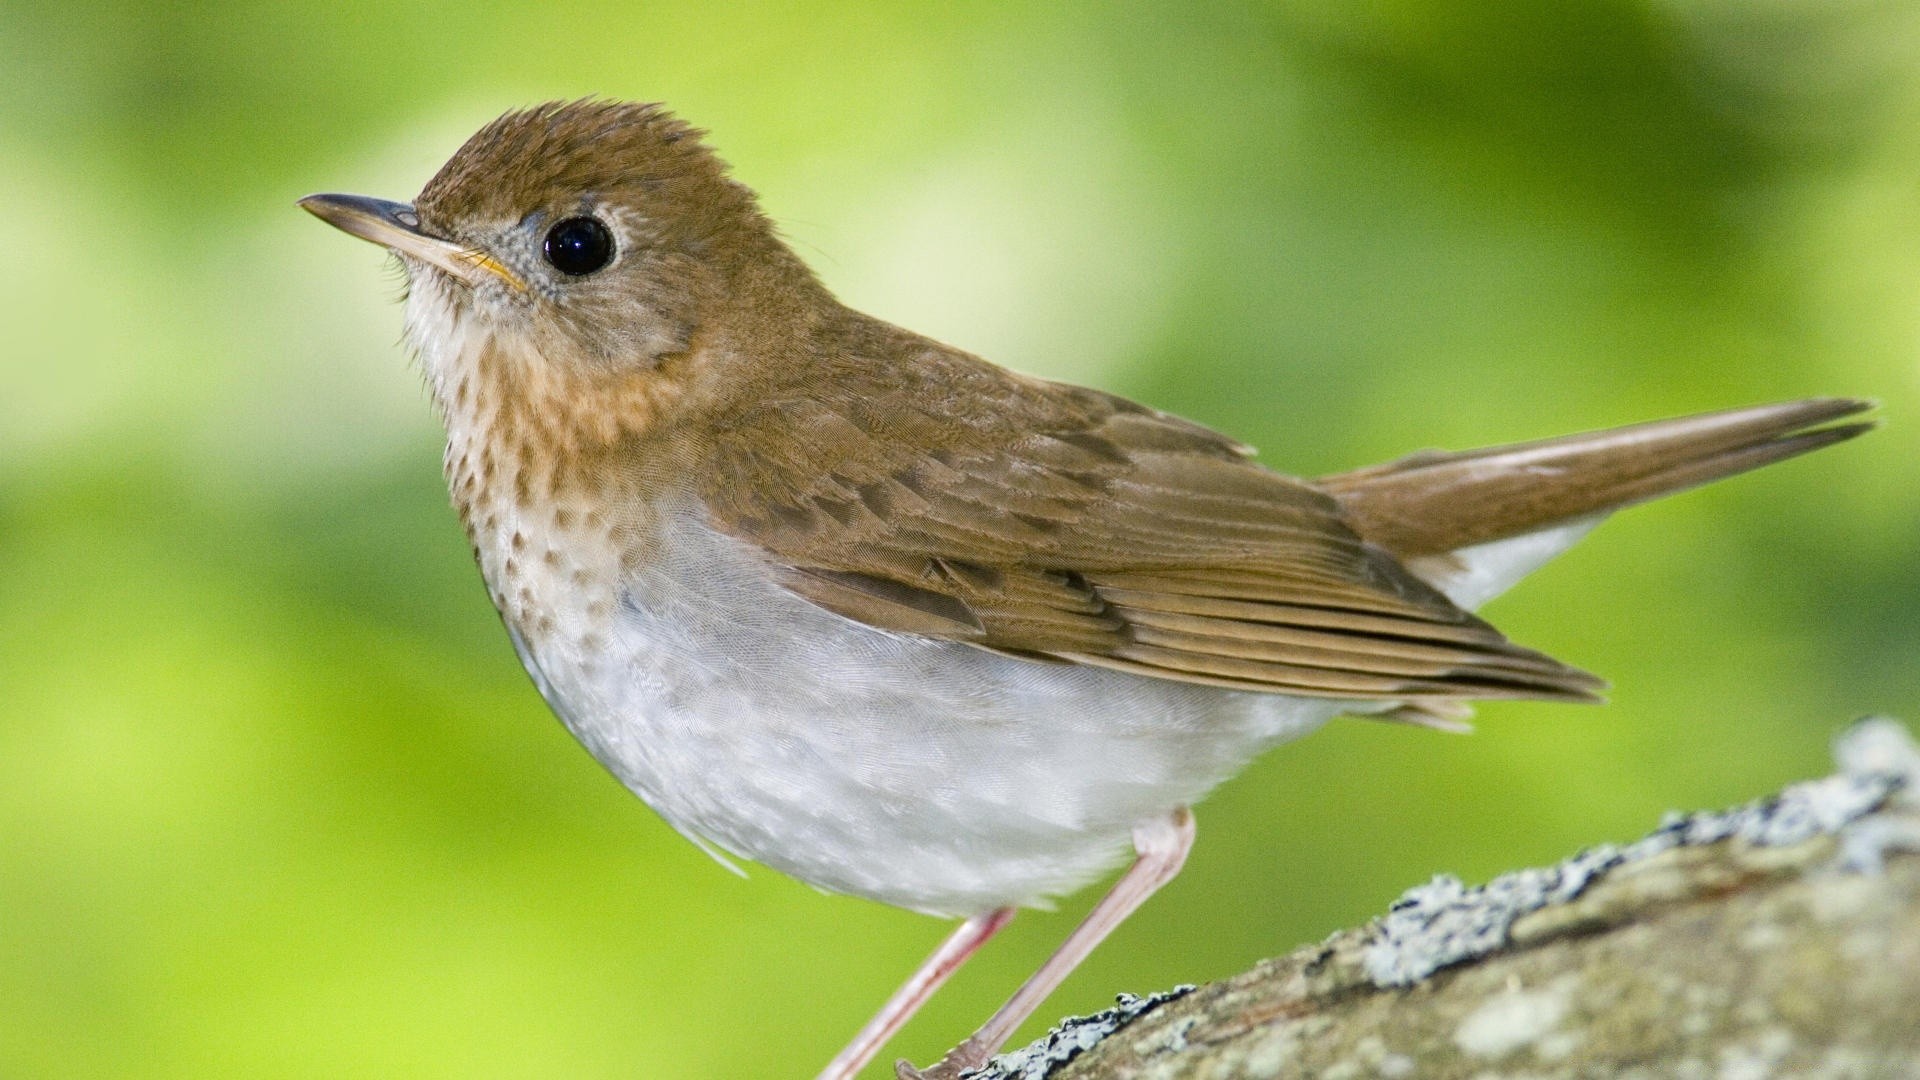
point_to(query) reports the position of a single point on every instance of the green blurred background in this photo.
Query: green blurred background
(277, 801)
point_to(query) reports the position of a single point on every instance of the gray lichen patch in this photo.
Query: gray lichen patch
(1445, 922)
(1516, 1018)
(1074, 1036)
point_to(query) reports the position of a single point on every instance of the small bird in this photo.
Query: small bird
(837, 598)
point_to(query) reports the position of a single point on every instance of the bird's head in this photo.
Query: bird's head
(583, 253)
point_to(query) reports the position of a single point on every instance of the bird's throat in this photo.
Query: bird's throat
(557, 482)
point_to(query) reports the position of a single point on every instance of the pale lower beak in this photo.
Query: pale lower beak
(396, 226)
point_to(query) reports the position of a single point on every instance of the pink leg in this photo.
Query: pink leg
(946, 960)
(1162, 846)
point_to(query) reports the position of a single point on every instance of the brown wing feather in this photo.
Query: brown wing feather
(1057, 522)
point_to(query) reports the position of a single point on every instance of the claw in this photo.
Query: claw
(959, 1061)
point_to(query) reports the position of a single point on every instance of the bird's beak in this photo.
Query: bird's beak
(396, 226)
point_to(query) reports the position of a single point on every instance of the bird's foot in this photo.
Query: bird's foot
(960, 1060)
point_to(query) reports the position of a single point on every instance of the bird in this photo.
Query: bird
(836, 598)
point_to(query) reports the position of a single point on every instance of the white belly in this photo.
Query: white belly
(924, 774)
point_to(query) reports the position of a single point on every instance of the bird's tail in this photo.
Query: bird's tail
(1434, 502)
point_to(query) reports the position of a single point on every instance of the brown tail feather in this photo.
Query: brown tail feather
(1435, 502)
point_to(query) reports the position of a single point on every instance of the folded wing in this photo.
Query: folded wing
(1061, 523)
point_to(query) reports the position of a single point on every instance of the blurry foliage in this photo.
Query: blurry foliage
(276, 800)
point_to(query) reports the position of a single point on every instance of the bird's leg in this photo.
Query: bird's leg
(962, 943)
(1162, 846)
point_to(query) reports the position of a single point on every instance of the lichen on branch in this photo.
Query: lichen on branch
(1776, 939)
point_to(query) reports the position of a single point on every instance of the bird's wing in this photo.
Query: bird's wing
(1061, 523)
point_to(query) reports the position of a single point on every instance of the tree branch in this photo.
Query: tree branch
(1779, 939)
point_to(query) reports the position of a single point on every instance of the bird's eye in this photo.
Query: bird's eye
(579, 246)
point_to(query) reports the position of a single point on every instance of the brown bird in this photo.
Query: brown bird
(860, 606)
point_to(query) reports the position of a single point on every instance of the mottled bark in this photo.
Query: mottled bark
(1781, 939)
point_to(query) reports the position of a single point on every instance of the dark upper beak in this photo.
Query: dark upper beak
(396, 226)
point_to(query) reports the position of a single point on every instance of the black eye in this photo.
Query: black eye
(579, 246)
